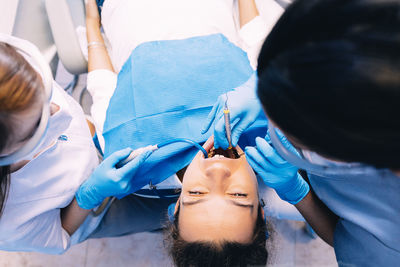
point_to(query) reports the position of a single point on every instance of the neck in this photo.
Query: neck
(16, 166)
(397, 172)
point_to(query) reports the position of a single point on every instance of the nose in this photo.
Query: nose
(218, 171)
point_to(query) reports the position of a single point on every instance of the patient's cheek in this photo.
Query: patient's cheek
(191, 172)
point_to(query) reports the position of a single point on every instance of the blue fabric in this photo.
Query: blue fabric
(165, 90)
(97, 144)
(99, 5)
(368, 205)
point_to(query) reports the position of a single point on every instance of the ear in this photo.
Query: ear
(265, 221)
(263, 214)
(172, 209)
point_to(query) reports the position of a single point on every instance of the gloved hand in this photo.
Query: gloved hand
(107, 180)
(244, 109)
(276, 172)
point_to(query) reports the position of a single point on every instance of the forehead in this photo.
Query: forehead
(217, 221)
(199, 166)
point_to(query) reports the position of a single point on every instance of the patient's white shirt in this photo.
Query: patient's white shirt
(128, 23)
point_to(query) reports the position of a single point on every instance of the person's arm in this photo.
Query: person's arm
(101, 79)
(321, 219)
(247, 11)
(107, 180)
(73, 216)
(98, 57)
(278, 174)
(254, 27)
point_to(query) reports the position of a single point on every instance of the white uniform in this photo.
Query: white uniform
(31, 217)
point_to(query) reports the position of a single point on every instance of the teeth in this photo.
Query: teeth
(219, 156)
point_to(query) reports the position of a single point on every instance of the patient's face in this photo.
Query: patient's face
(219, 199)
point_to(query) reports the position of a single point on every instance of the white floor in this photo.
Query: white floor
(289, 245)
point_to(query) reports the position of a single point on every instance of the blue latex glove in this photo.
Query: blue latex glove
(276, 172)
(244, 109)
(107, 180)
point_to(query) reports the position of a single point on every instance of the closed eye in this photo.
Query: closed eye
(238, 194)
(196, 193)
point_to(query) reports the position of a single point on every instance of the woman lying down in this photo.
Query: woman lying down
(174, 59)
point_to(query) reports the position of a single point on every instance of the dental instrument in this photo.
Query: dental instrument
(227, 119)
(141, 150)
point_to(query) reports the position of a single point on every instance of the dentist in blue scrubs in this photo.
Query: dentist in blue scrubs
(328, 80)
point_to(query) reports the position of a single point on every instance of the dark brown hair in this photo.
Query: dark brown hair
(203, 254)
(329, 76)
(20, 87)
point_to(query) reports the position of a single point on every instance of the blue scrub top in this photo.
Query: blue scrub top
(368, 204)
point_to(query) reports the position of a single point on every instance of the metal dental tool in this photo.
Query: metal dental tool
(227, 119)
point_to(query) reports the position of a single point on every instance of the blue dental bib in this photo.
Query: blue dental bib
(165, 90)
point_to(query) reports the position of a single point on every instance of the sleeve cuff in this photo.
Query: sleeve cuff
(254, 31)
(101, 80)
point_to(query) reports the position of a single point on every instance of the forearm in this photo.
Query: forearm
(321, 219)
(73, 216)
(247, 11)
(98, 57)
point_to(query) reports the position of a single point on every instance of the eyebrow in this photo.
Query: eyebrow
(193, 202)
(233, 202)
(240, 204)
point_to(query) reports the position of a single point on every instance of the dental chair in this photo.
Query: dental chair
(51, 26)
(64, 17)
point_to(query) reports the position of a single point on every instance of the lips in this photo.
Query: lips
(220, 154)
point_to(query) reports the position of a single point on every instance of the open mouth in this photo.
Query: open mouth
(219, 152)
(233, 153)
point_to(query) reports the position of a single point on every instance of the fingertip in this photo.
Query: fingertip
(264, 147)
(235, 140)
(147, 154)
(260, 141)
(267, 137)
(123, 153)
(136, 162)
(127, 150)
(220, 136)
(216, 145)
(221, 143)
(142, 157)
(206, 126)
(249, 150)
(252, 162)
